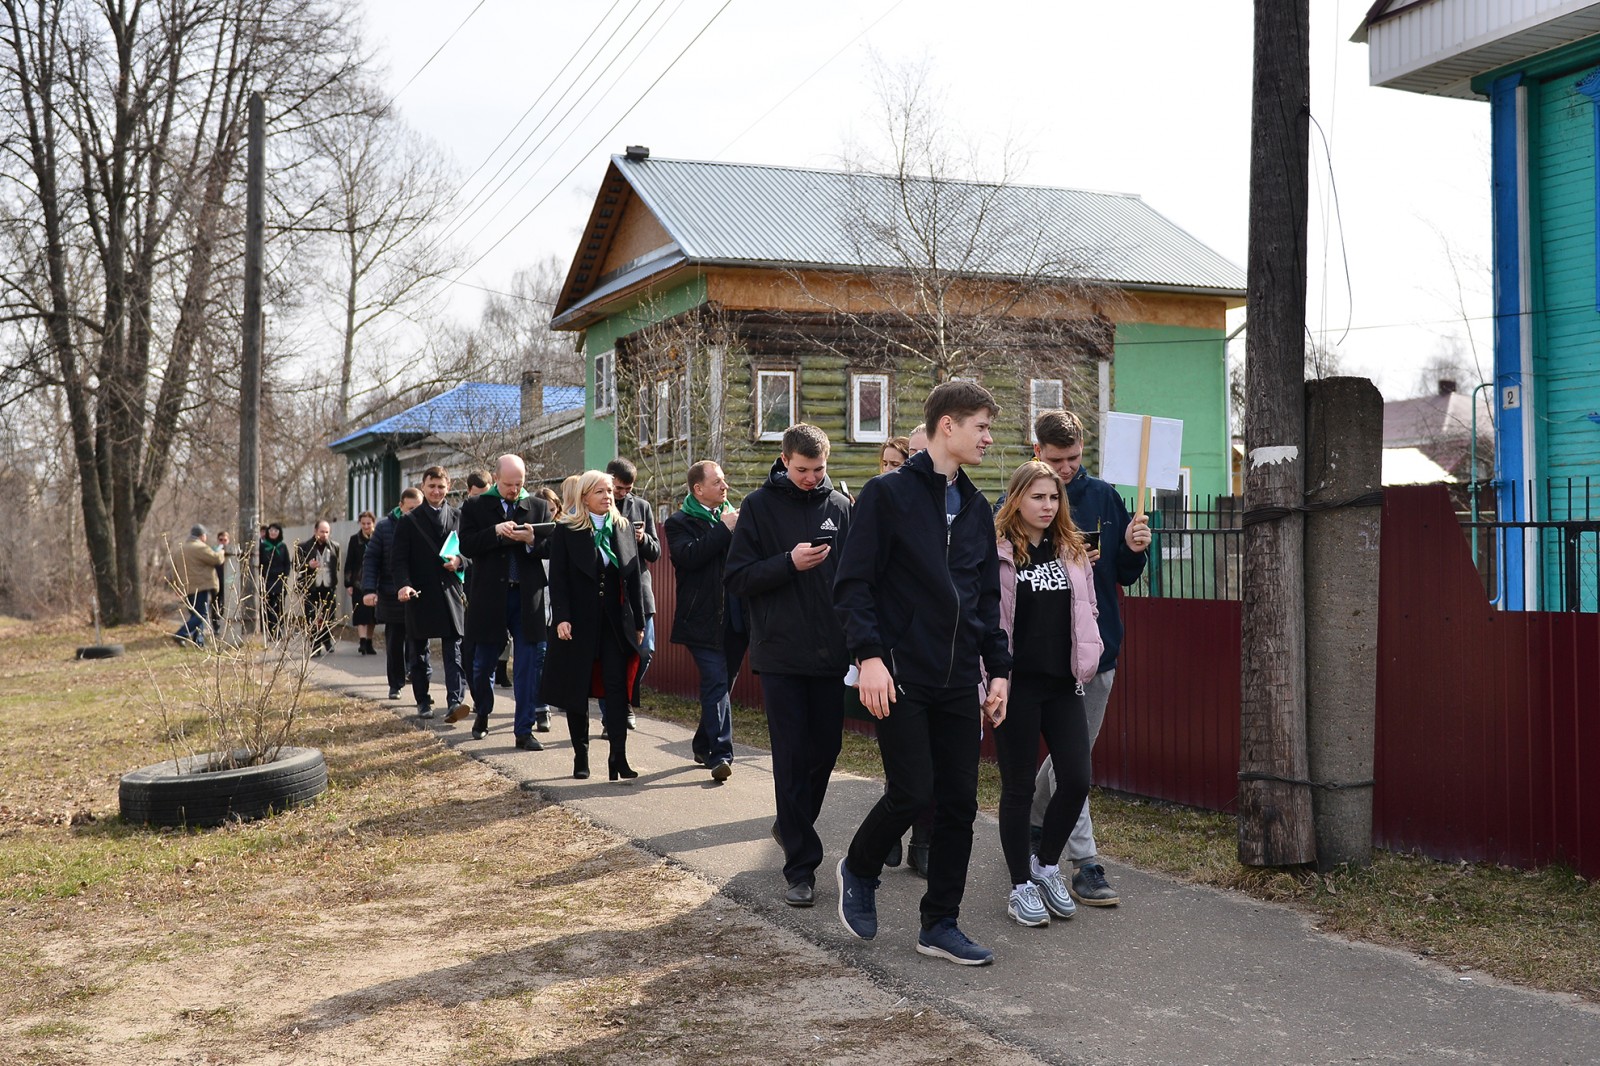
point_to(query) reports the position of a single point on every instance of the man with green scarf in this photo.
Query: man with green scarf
(706, 620)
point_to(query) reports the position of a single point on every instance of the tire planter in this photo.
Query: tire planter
(181, 792)
(100, 651)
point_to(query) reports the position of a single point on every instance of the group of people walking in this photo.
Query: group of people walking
(948, 616)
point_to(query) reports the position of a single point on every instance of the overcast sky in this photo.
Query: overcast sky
(1144, 96)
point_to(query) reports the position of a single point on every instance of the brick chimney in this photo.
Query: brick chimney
(1447, 386)
(532, 395)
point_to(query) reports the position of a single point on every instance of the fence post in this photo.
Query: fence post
(1344, 461)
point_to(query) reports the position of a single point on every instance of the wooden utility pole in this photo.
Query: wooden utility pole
(1275, 817)
(250, 370)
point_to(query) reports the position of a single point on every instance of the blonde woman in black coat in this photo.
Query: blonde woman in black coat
(597, 607)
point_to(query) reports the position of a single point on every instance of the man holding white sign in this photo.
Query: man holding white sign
(1118, 549)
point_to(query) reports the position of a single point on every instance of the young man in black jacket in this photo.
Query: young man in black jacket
(698, 536)
(782, 567)
(379, 591)
(918, 591)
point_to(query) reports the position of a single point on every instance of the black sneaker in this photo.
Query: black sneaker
(858, 902)
(946, 941)
(722, 771)
(424, 710)
(1090, 888)
(394, 694)
(528, 742)
(541, 721)
(480, 725)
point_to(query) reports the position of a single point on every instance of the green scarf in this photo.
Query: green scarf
(602, 540)
(271, 546)
(396, 513)
(695, 509)
(494, 490)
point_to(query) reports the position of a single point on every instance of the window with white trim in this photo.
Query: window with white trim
(774, 407)
(1044, 394)
(605, 383)
(663, 410)
(1173, 505)
(869, 408)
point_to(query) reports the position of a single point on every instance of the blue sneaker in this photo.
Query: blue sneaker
(858, 903)
(946, 941)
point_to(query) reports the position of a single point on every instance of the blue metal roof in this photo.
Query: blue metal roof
(738, 213)
(471, 407)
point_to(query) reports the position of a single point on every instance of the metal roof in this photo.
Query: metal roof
(471, 407)
(742, 214)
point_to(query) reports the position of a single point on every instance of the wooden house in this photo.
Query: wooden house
(1538, 67)
(719, 303)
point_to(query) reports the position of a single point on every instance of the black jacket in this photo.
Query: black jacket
(794, 628)
(636, 509)
(377, 569)
(355, 554)
(698, 550)
(441, 609)
(921, 595)
(490, 574)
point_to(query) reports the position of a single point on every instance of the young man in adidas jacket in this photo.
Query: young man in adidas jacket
(781, 564)
(919, 594)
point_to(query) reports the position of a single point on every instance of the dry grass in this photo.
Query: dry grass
(1536, 927)
(424, 910)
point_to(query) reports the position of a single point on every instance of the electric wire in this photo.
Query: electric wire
(443, 45)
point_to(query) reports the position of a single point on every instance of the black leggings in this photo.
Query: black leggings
(1052, 708)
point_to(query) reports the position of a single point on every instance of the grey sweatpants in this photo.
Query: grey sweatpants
(1080, 845)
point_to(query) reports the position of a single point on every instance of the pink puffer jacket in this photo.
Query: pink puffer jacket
(1086, 644)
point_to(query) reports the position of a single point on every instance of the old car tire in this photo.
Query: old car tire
(180, 792)
(100, 651)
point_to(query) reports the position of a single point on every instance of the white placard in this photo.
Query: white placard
(1119, 450)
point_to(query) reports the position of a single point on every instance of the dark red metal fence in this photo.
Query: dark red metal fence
(1488, 729)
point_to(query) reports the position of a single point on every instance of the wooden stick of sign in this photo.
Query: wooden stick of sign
(1144, 459)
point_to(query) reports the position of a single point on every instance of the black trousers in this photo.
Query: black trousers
(613, 659)
(805, 720)
(1051, 708)
(321, 605)
(929, 744)
(395, 651)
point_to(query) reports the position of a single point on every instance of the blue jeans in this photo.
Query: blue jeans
(525, 675)
(713, 741)
(197, 621)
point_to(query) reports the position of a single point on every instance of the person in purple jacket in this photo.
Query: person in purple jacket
(1047, 608)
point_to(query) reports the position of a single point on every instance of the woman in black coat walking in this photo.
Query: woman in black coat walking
(272, 557)
(597, 606)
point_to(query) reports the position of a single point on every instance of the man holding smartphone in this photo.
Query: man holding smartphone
(1098, 510)
(781, 564)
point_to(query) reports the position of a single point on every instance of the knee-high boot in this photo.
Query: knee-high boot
(578, 729)
(617, 734)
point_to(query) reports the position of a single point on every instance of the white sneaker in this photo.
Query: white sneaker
(1025, 906)
(1053, 887)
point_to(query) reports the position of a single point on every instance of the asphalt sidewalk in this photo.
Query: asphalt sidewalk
(1176, 974)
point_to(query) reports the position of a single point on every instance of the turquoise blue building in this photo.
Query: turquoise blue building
(1538, 66)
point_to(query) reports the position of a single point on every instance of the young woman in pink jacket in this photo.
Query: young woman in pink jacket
(1048, 610)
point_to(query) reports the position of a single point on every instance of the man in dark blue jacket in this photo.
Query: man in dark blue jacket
(379, 591)
(781, 565)
(918, 591)
(704, 620)
(1096, 508)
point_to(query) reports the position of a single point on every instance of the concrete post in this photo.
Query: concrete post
(1344, 460)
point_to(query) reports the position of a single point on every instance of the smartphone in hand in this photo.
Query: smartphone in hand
(821, 542)
(1093, 540)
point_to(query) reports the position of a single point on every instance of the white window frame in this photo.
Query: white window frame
(762, 377)
(1179, 546)
(877, 436)
(605, 383)
(663, 412)
(1033, 401)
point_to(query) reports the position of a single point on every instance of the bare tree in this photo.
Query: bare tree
(123, 130)
(387, 192)
(953, 271)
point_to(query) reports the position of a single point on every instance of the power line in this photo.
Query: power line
(436, 51)
(601, 139)
(807, 79)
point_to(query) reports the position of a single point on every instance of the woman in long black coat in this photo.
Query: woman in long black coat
(272, 558)
(597, 608)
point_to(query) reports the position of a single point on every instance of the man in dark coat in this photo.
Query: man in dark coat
(781, 565)
(639, 513)
(705, 620)
(379, 591)
(505, 593)
(429, 584)
(317, 570)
